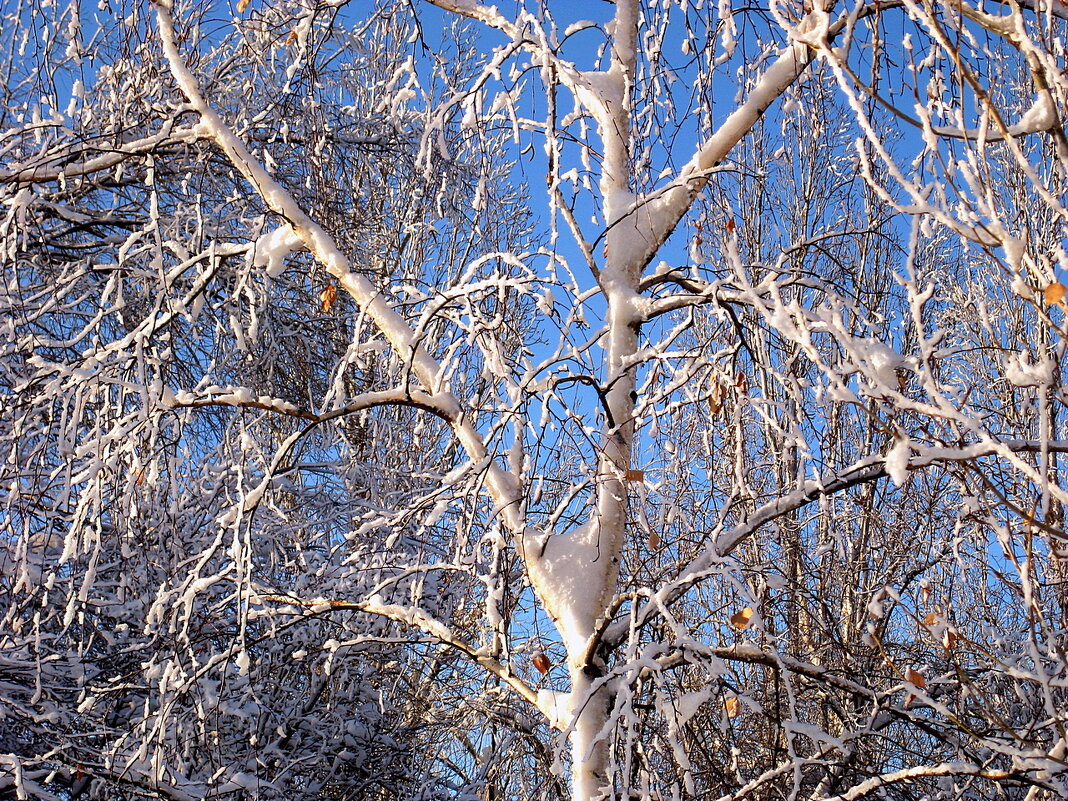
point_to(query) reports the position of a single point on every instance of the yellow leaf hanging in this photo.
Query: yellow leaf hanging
(328, 296)
(1055, 293)
(916, 679)
(740, 620)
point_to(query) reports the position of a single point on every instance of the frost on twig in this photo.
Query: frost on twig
(662, 404)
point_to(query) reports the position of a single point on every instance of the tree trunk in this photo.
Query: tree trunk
(589, 749)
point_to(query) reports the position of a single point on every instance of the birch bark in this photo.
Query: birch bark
(575, 572)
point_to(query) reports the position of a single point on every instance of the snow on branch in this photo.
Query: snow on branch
(71, 164)
(500, 483)
(723, 544)
(416, 618)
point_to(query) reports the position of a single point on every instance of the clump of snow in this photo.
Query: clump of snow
(1014, 251)
(817, 735)
(1020, 371)
(560, 569)
(897, 461)
(689, 704)
(575, 27)
(1020, 287)
(1040, 117)
(272, 248)
(556, 706)
(881, 361)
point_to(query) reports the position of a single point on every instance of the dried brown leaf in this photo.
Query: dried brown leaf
(741, 619)
(1055, 293)
(328, 296)
(916, 678)
(716, 397)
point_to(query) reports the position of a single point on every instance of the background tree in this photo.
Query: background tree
(160, 362)
(745, 481)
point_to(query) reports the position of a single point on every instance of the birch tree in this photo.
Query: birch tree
(163, 367)
(746, 477)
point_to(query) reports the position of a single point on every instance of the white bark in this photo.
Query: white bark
(574, 566)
